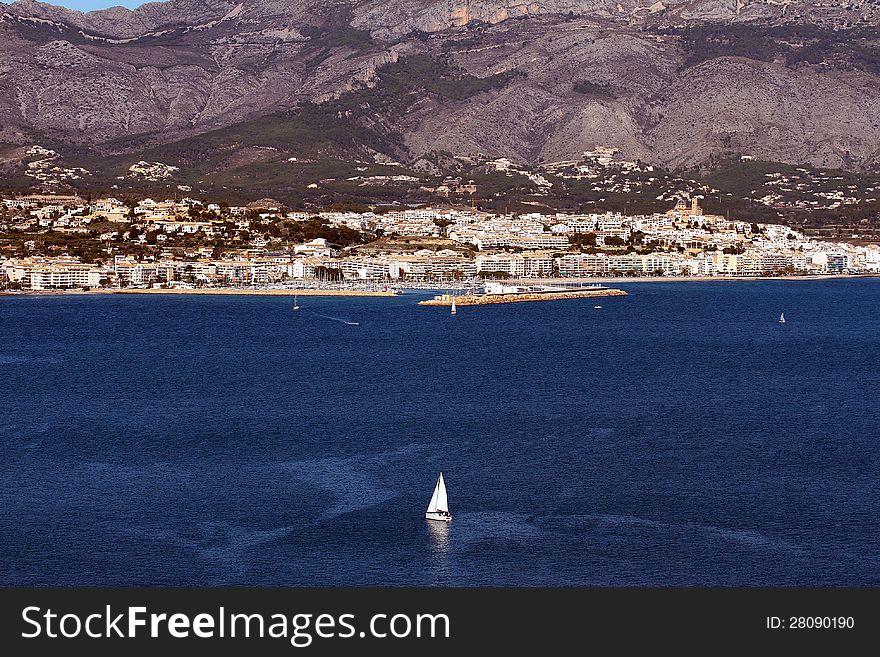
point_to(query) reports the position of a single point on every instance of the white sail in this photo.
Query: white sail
(442, 502)
(432, 505)
(453, 305)
(439, 502)
(782, 318)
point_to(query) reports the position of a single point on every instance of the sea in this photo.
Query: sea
(676, 436)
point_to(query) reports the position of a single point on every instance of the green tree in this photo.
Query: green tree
(583, 239)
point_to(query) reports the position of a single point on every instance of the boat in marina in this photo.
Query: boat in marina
(438, 507)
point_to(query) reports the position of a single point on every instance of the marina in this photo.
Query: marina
(499, 293)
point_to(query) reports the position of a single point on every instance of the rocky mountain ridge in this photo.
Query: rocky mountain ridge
(679, 83)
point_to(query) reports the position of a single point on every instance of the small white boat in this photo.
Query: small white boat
(295, 304)
(782, 318)
(452, 311)
(438, 507)
(598, 307)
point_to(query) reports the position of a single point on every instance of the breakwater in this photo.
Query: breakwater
(483, 299)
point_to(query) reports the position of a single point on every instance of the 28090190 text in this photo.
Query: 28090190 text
(811, 623)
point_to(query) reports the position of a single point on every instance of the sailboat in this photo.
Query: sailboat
(295, 304)
(438, 507)
(453, 310)
(782, 318)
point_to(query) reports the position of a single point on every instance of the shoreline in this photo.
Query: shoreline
(207, 291)
(312, 292)
(275, 293)
(690, 279)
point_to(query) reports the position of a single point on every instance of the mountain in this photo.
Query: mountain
(217, 85)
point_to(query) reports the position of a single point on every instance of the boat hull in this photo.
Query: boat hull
(439, 517)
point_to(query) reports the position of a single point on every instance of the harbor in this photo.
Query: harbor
(500, 293)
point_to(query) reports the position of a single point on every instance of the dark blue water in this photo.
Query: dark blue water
(676, 436)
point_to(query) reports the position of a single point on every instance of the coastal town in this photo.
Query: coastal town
(64, 242)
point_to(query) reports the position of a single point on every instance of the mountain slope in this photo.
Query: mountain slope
(676, 83)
